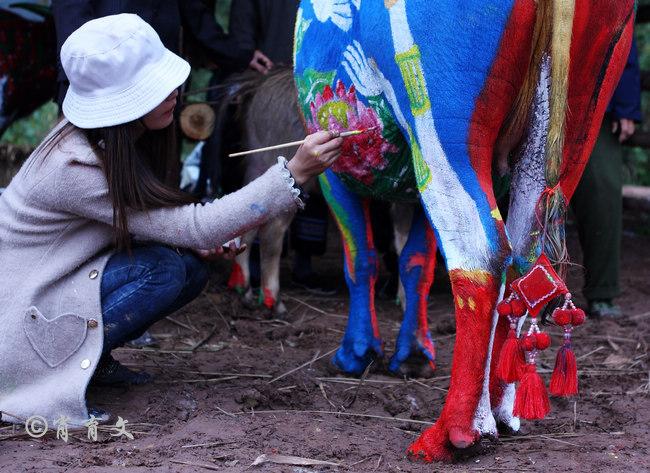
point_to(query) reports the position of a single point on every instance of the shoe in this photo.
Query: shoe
(111, 372)
(314, 285)
(604, 309)
(144, 340)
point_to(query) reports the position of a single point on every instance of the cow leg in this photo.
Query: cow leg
(528, 183)
(402, 217)
(271, 238)
(361, 342)
(416, 264)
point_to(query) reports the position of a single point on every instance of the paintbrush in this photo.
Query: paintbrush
(296, 143)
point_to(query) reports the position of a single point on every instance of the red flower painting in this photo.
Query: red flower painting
(340, 110)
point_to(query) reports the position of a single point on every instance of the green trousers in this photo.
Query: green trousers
(598, 205)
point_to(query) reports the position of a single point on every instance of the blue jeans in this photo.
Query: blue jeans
(140, 289)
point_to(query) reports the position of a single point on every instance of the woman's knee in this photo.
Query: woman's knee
(196, 271)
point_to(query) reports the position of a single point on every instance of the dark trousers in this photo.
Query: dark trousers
(597, 205)
(140, 289)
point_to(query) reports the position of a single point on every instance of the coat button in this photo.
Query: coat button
(92, 323)
(93, 274)
(85, 364)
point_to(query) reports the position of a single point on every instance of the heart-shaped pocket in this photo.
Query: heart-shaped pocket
(54, 340)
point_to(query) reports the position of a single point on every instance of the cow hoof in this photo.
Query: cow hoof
(354, 358)
(508, 430)
(431, 446)
(438, 443)
(416, 365)
(460, 438)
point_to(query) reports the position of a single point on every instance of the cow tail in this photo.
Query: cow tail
(552, 205)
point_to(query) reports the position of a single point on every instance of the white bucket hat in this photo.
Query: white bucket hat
(119, 71)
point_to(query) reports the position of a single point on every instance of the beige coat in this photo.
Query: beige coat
(55, 239)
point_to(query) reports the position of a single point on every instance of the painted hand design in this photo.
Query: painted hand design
(368, 79)
(339, 11)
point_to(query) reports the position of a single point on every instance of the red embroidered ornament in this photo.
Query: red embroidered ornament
(517, 360)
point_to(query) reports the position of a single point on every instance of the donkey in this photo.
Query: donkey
(448, 91)
(267, 114)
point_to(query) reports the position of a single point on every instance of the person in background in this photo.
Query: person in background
(597, 202)
(75, 283)
(166, 17)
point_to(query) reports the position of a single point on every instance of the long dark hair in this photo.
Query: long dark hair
(141, 167)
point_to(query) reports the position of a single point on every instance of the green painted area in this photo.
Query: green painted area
(396, 180)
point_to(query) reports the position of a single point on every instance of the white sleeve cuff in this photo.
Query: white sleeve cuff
(291, 183)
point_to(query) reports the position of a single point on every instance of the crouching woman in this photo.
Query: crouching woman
(94, 248)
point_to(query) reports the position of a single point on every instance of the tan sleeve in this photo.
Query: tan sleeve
(81, 189)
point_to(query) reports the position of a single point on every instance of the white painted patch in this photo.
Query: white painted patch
(369, 80)
(338, 11)
(452, 211)
(484, 421)
(503, 412)
(528, 177)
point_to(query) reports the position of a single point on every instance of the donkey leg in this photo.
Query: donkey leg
(417, 263)
(240, 275)
(361, 342)
(271, 238)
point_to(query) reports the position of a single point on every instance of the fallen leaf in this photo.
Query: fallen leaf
(289, 460)
(616, 361)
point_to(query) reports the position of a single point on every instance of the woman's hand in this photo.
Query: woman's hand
(315, 155)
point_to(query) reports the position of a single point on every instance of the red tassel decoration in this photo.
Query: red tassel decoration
(511, 359)
(564, 380)
(531, 400)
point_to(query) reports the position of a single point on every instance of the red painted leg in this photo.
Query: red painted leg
(475, 294)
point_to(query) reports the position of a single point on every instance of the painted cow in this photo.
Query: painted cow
(452, 90)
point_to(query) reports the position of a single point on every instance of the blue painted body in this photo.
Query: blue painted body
(457, 51)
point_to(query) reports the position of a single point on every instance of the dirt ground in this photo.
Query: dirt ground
(256, 386)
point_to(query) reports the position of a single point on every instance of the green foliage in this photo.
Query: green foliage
(29, 131)
(637, 160)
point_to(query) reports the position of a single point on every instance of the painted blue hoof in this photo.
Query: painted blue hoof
(355, 358)
(414, 363)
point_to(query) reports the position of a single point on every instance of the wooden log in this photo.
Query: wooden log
(636, 197)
